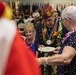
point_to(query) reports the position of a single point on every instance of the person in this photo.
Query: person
(30, 40)
(66, 57)
(26, 14)
(17, 13)
(15, 58)
(21, 20)
(49, 33)
(36, 14)
(48, 28)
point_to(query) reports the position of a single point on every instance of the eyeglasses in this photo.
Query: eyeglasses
(63, 20)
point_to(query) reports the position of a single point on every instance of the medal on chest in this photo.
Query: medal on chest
(48, 42)
(47, 35)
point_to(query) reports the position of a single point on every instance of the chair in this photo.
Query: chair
(21, 28)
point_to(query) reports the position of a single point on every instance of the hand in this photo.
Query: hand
(56, 50)
(38, 60)
(41, 46)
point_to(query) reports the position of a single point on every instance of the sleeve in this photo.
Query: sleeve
(72, 41)
(38, 37)
(36, 44)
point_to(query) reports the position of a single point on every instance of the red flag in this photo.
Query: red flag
(16, 58)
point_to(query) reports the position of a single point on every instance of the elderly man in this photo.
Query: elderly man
(49, 32)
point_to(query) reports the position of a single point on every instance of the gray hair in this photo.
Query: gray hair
(69, 12)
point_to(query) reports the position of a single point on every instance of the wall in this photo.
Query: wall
(53, 3)
(45, 1)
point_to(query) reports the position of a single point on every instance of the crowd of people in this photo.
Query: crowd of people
(23, 17)
(45, 29)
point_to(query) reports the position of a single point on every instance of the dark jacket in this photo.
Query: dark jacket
(40, 39)
(39, 35)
